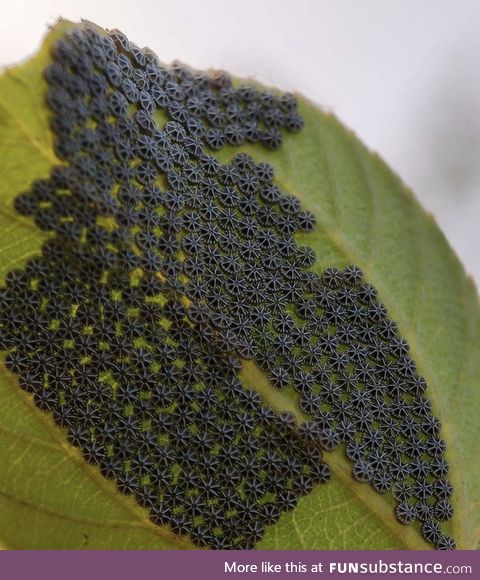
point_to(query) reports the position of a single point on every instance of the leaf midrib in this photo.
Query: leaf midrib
(341, 467)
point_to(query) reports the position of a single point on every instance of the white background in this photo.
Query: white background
(403, 74)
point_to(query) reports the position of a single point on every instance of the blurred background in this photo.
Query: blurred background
(404, 75)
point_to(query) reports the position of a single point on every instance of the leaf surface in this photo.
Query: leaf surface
(51, 498)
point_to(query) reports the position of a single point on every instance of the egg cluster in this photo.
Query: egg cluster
(146, 398)
(167, 269)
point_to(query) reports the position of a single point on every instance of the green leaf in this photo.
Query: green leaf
(51, 498)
